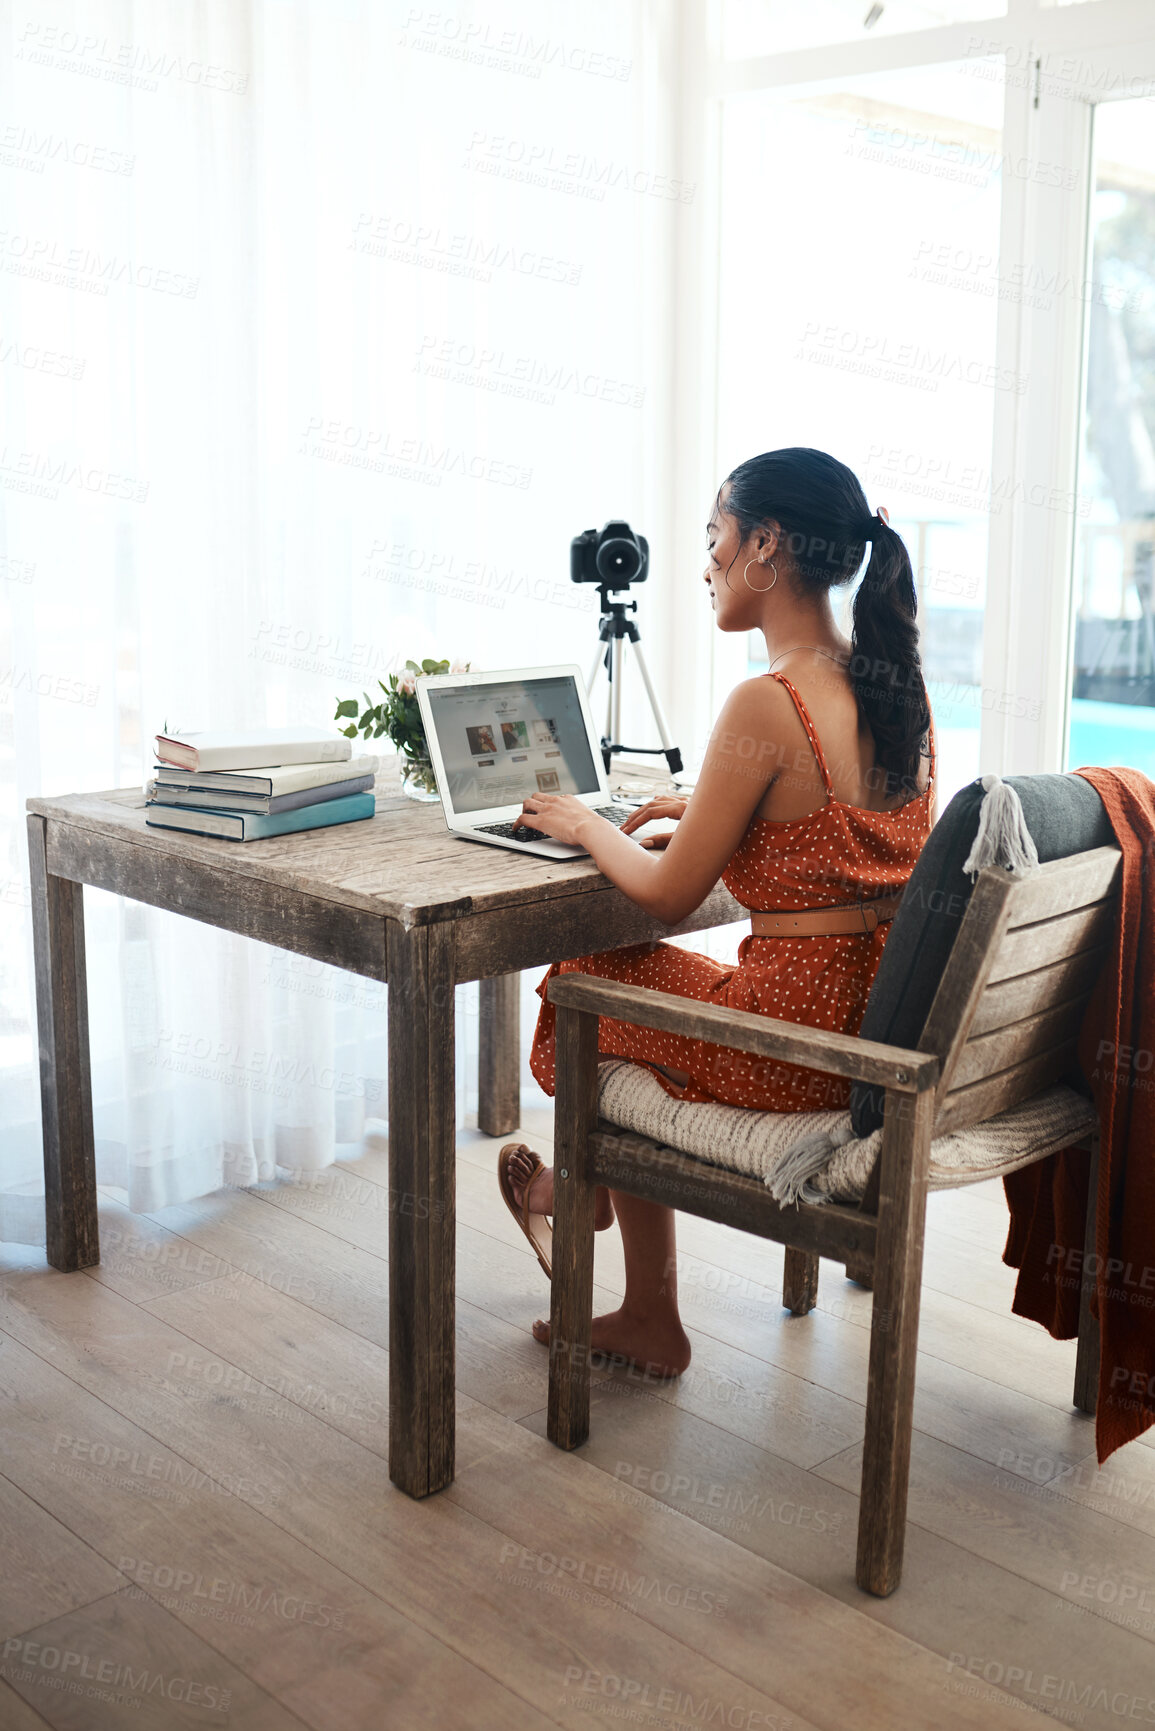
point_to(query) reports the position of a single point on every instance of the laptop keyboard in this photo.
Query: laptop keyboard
(617, 814)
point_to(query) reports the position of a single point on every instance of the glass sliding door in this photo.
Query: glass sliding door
(859, 296)
(1112, 693)
(920, 263)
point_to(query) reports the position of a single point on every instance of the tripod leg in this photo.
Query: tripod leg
(615, 723)
(673, 755)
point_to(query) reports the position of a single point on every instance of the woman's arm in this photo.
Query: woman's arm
(743, 757)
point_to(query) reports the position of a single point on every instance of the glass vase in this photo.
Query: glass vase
(418, 780)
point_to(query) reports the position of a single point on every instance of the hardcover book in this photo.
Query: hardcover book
(253, 826)
(252, 748)
(196, 798)
(283, 778)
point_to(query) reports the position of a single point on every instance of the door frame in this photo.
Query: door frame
(1035, 461)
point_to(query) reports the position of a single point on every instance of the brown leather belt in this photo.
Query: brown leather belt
(818, 922)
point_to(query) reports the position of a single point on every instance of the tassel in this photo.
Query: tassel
(790, 1178)
(1002, 837)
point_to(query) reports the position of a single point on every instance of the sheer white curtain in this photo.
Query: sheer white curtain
(324, 327)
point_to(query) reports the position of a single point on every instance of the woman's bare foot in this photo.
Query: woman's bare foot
(658, 1346)
(521, 1167)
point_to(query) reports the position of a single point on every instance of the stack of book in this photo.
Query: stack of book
(266, 781)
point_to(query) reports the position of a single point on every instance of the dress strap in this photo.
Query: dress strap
(811, 734)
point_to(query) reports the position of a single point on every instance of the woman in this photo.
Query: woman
(815, 794)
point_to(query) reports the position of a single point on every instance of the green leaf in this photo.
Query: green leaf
(347, 707)
(349, 732)
(413, 667)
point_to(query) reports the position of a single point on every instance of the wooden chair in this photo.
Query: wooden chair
(1002, 1027)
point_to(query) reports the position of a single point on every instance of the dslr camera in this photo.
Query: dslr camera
(613, 558)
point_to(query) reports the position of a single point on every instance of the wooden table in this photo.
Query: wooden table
(395, 898)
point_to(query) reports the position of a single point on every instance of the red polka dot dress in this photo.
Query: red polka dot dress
(837, 855)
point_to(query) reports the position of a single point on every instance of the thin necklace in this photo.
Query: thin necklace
(827, 652)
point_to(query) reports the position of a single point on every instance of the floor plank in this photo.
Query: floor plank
(1022, 1525)
(950, 1601)
(15, 1713)
(736, 1321)
(764, 1624)
(142, 1260)
(327, 1646)
(1123, 1487)
(435, 1560)
(47, 1570)
(124, 1661)
(197, 1452)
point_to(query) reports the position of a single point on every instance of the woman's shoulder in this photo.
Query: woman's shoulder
(756, 692)
(761, 698)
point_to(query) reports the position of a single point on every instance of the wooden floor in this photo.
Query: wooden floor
(199, 1528)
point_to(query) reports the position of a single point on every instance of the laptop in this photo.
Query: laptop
(497, 738)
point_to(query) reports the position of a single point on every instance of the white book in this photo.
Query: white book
(252, 748)
(287, 778)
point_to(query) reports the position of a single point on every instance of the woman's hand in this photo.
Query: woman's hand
(559, 815)
(665, 806)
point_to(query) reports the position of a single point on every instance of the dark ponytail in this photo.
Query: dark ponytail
(826, 524)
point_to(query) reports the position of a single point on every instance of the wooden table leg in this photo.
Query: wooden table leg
(499, 1055)
(422, 1126)
(72, 1233)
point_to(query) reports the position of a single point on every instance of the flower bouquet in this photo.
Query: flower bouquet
(398, 717)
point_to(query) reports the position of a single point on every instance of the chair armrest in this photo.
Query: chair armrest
(812, 1048)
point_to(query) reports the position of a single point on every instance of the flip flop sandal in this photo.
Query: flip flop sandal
(537, 1227)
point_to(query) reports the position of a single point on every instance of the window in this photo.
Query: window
(920, 191)
(751, 27)
(1112, 711)
(859, 299)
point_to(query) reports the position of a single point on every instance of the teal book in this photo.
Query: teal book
(257, 826)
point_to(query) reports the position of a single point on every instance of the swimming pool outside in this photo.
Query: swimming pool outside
(1109, 734)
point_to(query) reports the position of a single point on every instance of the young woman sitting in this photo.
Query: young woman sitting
(814, 801)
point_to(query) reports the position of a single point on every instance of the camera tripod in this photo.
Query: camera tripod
(615, 631)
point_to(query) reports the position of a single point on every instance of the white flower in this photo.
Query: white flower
(459, 666)
(407, 683)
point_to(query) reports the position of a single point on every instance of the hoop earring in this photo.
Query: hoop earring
(769, 585)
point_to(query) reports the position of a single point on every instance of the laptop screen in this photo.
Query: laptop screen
(502, 741)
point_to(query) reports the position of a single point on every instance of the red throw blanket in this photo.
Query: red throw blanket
(1048, 1201)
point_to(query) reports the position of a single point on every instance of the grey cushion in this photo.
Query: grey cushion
(1064, 815)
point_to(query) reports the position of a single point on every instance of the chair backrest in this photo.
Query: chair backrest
(1006, 1017)
(1064, 815)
